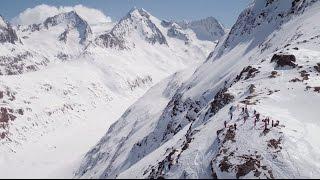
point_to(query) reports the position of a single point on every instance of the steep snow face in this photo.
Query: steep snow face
(7, 34)
(112, 147)
(58, 96)
(259, 20)
(2, 22)
(250, 112)
(136, 25)
(206, 29)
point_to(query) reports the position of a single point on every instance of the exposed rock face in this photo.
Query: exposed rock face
(63, 36)
(111, 41)
(176, 32)
(317, 67)
(139, 81)
(136, 23)
(16, 64)
(32, 27)
(283, 60)
(7, 34)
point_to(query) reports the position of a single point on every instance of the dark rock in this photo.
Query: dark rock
(283, 60)
(220, 100)
(317, 89)
(111, 41)
(274, 74)
(225, 164)
(230, 135)
(317, 67)
(252, 88)
(20, 111)
(304, 75)
(273, 143)
(247, 167)
(295, 80)
(5, 115)
(250, 71)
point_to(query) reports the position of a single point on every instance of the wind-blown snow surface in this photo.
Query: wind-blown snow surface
(60, 89)
(176, 130)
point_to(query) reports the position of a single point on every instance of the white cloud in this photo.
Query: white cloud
(41, 12)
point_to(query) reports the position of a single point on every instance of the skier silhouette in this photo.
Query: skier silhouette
(276, 124)
(265, 125)
(257, 116)
(230, 112)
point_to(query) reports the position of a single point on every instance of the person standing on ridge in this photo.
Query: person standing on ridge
(257, 116)
(231, 110)
(265, 125)
(276, 124)
(268, 120)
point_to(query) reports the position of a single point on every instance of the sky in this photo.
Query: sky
(226, 11)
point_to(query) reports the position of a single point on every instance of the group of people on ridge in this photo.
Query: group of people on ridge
(246, 115)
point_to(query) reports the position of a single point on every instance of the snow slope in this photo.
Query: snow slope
(60, 89)
(269, 64)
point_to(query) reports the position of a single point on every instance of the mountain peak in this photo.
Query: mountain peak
(138, 12)
(7, 34)
(2, 22)
(135, 25)
(73, 21)
(70, 17)
(206, 29)
(261, 17)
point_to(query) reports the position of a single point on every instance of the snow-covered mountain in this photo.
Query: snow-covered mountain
(137, 24)
(73, 21)
(62, 84)
(249, 111)
(7, 34)
(206, 29)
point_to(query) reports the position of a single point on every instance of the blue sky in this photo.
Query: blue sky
(225, 11)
